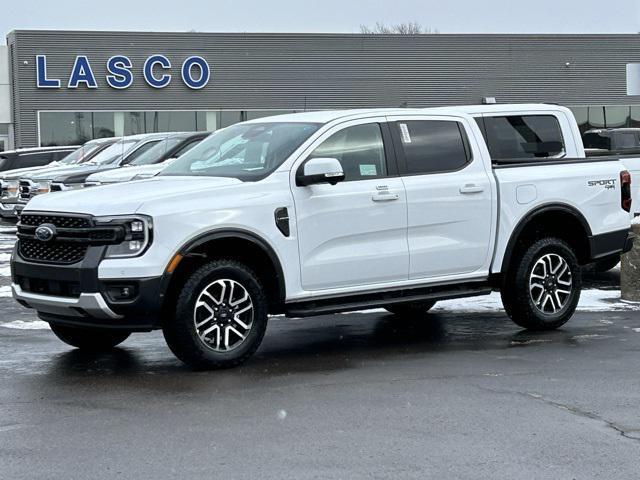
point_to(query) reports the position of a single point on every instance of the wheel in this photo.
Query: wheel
(90, 339)
(411, 309)
(220, 316)
(542, 288)
(608, 264)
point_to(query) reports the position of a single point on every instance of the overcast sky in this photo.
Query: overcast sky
(447, 16)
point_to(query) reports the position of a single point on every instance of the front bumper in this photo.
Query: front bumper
(73, 295)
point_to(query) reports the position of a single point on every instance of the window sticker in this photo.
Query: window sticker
(404, 130)
(368, 170)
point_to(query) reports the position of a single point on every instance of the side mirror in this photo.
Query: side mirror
(320, 170)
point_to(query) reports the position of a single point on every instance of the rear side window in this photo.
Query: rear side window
(432, 146)
(518, 136)
(596, 140)
(35, 159)
(186, 147)
(144, 148)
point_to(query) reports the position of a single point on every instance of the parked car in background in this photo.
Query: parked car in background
(121, 152)
(607, 141)
(150, 162)
(323, 212)
(9, 180)
(33, 157)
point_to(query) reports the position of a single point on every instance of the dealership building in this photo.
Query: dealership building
(66, 87)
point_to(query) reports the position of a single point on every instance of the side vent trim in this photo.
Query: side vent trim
(282, 221)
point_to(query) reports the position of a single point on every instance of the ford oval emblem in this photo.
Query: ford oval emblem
(46, 233)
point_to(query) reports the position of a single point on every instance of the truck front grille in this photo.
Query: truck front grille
(59, 221)
(73, 236)
(64, 253)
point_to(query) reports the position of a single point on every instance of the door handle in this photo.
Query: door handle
(385, 197)
(471, 188)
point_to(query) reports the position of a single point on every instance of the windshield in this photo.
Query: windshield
(157, 152)
(113, 153)
(246, 151)
(80, 154)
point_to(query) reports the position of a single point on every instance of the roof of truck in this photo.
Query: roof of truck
(327, 116)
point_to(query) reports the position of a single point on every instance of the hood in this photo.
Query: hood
(73, 174)
(127, 198)
(125, 174)
(19, 173)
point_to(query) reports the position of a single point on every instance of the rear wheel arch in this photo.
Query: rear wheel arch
(236, 244)
(557, 220)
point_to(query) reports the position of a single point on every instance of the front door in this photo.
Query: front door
(353, 233)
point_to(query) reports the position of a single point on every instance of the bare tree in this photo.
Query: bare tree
(410, 28)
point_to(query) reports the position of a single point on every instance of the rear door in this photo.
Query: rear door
(353, 233)
(449, 197)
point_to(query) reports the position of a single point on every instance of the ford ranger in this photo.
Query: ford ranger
(315, 213)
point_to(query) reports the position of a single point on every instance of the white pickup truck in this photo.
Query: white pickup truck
(324, 212)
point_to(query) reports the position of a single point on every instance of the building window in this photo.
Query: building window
(75, 128)
(617, 117)
(65, 128)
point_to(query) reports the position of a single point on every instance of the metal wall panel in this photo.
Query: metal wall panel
(323, 71)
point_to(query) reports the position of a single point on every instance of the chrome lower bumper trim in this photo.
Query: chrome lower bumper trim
(93, 304)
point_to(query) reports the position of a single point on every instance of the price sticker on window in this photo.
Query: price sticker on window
(368, 171)
(404, 130)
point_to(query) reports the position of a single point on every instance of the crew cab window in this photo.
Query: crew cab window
(360, 150)
(432, 146)
(523, 136)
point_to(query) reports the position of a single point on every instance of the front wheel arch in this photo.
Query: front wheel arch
(238, 244)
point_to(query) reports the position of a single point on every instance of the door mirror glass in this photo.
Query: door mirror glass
(320, 170)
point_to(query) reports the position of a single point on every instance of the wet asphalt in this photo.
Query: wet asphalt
(361, 395)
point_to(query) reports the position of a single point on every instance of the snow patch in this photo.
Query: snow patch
(21, 325)
(637, 330)
(5, 291)
(590, 301)
(5, 257)
(5, 271)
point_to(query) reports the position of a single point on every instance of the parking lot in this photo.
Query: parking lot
(462, 393)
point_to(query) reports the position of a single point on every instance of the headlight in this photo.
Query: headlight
(9, 189)
(41, 187)
(137, 238)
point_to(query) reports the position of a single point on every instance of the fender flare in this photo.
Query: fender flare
(226, 233)
(532, 215)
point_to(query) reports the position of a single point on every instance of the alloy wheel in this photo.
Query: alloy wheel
(223, 315)
(550, 284)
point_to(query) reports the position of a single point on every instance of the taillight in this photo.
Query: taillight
(625, 190)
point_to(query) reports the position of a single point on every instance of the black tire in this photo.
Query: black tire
(90, 339)
(606, 265)
(519, 302)
(182, 335)
(411, 309)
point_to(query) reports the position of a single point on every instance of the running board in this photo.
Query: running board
(361, 301)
